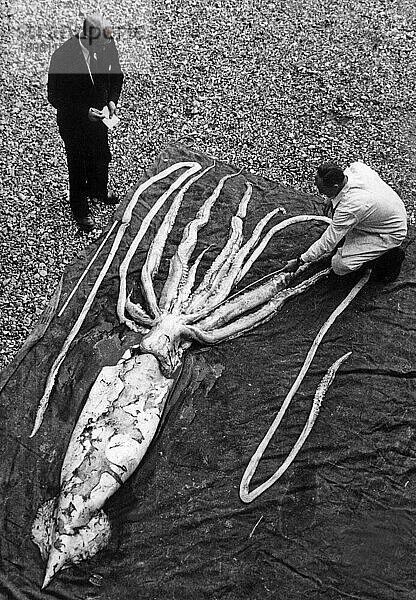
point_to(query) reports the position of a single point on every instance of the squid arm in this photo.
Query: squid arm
(225, 277)
(157, 246)
(186, 284)
(247, 496)
(125, 222)
(142, 321)
(243, 303)
(194, 167)
(180, 260)
(270, 234)
(87, 268)
(234, 274)
(227, 254)
(248, 322)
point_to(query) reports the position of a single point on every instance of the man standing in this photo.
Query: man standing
(84, 78)
(369, 223)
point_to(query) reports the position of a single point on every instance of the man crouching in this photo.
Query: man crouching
(368, 225)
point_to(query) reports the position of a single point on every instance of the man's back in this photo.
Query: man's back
(376, 205)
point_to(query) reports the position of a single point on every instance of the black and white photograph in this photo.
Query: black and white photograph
(207, 300)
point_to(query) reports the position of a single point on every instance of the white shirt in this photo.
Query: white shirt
(85, 52)
(366, 204)
(87, 57)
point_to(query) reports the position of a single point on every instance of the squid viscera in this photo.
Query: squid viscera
(125, 404)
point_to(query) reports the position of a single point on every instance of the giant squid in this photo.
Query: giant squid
(124, 407)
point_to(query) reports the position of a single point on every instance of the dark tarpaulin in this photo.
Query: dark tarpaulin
(338, 524)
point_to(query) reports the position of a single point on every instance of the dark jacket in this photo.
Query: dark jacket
(70, 89)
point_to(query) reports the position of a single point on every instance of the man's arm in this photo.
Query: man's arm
(342, 223)
(54, 97)
(60, 88)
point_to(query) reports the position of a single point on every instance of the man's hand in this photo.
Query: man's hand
(111, 108)
(95, 115)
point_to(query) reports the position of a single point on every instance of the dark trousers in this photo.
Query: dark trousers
(88, 156)
(387, 267)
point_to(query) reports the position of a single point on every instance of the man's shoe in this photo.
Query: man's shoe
(387, 267)
(110, 200)
(86, 224)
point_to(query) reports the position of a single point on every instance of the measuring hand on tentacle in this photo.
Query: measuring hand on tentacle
(125, 404)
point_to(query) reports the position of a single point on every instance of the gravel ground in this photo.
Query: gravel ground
(273, 87)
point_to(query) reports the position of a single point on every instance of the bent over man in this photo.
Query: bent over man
(84, 78)
(369, 222)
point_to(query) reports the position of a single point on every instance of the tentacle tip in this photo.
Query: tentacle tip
(45, 583)
(48, 578)
(345, 356)
(36, 426)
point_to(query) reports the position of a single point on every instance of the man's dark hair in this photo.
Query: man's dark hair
(331, 174)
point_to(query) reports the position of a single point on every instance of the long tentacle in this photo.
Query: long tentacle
(125, 222)
(157, 246)
(233, 275)
(180, 260)
(249, 496)
(226, 255)
(270, 234)
(245, 494)
(121, 302)
(248, 322)
(87, 268)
